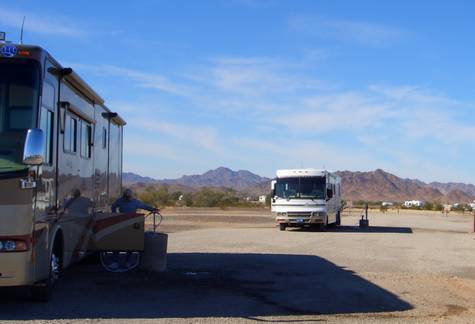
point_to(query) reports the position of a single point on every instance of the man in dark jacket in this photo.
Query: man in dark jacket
(128, 204)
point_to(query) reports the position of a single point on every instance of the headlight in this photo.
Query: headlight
(282, 214)
(13, 246)
(9, 246)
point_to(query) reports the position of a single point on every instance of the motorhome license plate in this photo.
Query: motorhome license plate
(300, 220)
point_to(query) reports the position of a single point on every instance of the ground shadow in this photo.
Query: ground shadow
(357, 229)
(211, 285)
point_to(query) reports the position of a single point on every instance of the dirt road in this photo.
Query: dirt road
(235, 266)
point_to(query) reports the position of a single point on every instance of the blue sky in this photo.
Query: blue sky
(264, 84)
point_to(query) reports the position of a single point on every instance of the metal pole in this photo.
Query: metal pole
(154, 226)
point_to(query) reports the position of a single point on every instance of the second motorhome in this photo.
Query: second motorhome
(306, 197)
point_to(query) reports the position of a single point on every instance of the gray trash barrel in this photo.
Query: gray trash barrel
(154, 256)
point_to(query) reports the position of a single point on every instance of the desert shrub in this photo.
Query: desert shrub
(156, 197)
(208, 197)
(268, 200)
(459, 208)
(205, 197)
(428, 206)
(175, 196)
(359, 203)
(188, 199)
(438, 206)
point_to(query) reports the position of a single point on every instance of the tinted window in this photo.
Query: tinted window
(86, 133)
(18, 96)
(70, 134)
(48, 95)
(104, 138)
(46, 124)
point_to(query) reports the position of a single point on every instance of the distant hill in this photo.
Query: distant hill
(375, 185)
(131, 178)
(380, 185)
(220, 177)
(445, 188)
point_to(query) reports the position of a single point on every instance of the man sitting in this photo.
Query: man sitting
(127, 204)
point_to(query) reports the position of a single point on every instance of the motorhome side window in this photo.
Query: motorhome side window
(70, 134)
(46, 124)
(104, 138)
(47, 120)
(86, 143)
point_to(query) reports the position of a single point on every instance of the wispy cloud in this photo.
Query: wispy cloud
(361, 32)
(202, 137)
(286, 117)
(148, 80)
(149, 148)
(345, 110)
(41, 24)
(273, 93)
(253, 76)
(399, 111)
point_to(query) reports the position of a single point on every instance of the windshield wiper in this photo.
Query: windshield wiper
(292, 196)
(311, 197)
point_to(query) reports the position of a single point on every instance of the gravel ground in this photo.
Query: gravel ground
(235, 266)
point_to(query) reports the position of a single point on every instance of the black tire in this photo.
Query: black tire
(282, 227)
(338, 219)
(107, 258)
(43, 291)
(324, 226)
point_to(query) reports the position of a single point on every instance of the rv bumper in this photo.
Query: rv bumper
(300, 220)
(15, 269)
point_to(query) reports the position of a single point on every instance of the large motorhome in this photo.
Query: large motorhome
(60, 169)
(306, 197)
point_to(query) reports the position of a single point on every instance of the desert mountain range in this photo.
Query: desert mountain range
(375, 185)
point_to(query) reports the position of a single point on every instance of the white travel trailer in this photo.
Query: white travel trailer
(413, 203)
(306, 197)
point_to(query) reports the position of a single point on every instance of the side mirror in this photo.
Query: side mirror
(34, 147)
(329, 194)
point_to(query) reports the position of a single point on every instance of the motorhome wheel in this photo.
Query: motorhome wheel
(43, 290)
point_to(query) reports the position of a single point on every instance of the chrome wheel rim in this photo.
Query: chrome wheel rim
(54, 267)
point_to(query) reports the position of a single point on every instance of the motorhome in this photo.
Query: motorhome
(60, 169)
(306, 197)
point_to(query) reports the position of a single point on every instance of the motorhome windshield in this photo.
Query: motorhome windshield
(302, 187)
(19, 95)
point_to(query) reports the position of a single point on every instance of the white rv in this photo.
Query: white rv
(306, 197)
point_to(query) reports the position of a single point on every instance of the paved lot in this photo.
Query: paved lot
(235, 266)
